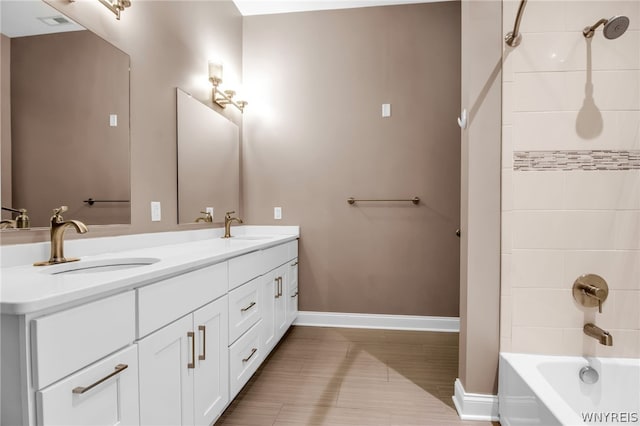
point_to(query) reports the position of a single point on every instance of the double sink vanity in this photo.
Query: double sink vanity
(147, 329)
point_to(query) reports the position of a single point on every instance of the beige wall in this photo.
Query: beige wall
(64, 86)
(170, 44)
(5, 122)
(480, 241)
(314, 136)
(563, 222)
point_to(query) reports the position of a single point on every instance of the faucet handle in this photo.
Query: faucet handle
(60, 210)
(228, 214)
(590, 290)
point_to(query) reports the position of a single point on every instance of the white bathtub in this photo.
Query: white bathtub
(547, 390)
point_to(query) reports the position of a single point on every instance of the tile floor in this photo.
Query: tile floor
(340, 376)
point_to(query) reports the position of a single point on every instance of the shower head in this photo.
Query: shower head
(614, 27)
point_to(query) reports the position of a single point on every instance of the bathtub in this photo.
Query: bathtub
(547, 390)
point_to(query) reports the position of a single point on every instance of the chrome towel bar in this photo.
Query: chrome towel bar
(414, 200)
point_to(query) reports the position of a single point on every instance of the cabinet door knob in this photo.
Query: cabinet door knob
(82, 389)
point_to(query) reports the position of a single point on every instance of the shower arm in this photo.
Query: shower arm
(513, 38)
(589, 31)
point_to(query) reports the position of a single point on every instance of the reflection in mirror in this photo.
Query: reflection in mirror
(65, 118)
(208, 162)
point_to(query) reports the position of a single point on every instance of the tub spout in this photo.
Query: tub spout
(599, 334)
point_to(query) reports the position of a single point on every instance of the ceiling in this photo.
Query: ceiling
(265, 7)
(26, 18)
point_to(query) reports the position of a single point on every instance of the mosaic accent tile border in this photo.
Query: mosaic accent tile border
(576, 160)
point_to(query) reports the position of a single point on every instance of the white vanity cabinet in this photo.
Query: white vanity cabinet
(169, 346)
(184, 365)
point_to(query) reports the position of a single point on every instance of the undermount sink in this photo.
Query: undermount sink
(99, 265)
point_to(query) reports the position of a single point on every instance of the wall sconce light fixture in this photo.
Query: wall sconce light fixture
(116, 6)
(222, 97)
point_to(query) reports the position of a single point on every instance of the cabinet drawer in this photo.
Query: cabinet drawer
(245, 308)
(245, 268)
(163, 302)
(245, 356)
(113, 401)
(67, 341)
(276, 256)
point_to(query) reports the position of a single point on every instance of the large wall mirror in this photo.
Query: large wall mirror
(65, 118)
(208, 161)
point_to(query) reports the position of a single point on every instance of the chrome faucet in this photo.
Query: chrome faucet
(58, 226)
(603, 337)
(227, 223)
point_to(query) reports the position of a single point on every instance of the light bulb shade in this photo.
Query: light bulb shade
(215, 71)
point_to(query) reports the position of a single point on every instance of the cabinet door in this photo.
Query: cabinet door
(292, 292)
(211, 381)
(113, 400)
(166, 381)
(269, 297)
(282, 274)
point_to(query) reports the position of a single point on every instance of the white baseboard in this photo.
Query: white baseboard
(475, 406)
(389, 322)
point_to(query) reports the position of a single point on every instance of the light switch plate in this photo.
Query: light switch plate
(113, 120)
(156, 211)
(386, 110)
(277, 213)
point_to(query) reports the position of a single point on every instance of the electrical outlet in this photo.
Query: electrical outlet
(277, 213)
(156, 211)
(210, 211)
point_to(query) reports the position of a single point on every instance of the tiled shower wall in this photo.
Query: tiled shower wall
(571, 178)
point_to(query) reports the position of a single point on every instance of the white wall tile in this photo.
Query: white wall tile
(538, 269)
(507, 103)
(626, 344)
(505, 317)
(507, 147)
(621, 310)
(535, 340)
(505, 275)
(581, 14)
(538, 307)
(621, 269)
(543, 16)
(580, 230)
(536, 190)
(566, 91)
(607, 190)
(576, 130)
(567, 51)
(507, 189)
(506, 244)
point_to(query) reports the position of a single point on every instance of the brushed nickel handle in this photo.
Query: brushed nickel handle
(253, 351)
(191, 335)
(295, 295)
(204, 342)
(251, 305)
(277, 280)
(82, 389)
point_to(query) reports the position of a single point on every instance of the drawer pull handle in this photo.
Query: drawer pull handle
(204, 342)
(81, 389)
(279, 286)
(294, 295)
(253, 351)
(191, 335)
(251, 305)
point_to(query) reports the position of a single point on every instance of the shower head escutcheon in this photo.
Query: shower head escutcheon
(614, 27)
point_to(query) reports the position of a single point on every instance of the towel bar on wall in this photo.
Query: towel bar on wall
(414, 200)
(91, 201)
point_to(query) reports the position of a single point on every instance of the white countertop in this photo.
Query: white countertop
(27, 289)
